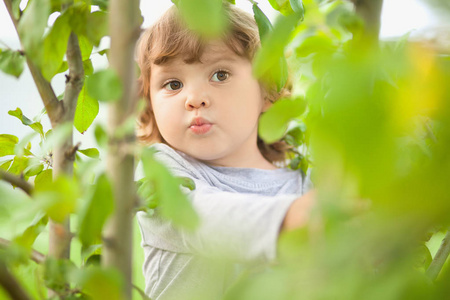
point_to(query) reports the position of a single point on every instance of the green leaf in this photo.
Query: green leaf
(19, 165)
(16, 8)
(43, 179)
(173, 203)
(36, 126)
(97, 27)
(55, 46)
(88, 67)
(297, 7)
(4, 165)
(20, 149)
(90, 152)
(57, 137)
(57, 273)
(78, 13)
(94, 215)
(11, 62)
(85, 48)
(86, 111)
(7, 144)
(187, 183)
(100, 283)
(100, 135)
(283, 6)
(32, 25)
(264, 25)
(104, 85)
(205, 17)
(318, 43)
(274, 122)
(58, 199)
(33, 170)
(27, 238)
(102, 4)
(269, 63)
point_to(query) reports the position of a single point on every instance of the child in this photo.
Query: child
(203, 106)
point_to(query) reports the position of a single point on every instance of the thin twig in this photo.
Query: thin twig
(11, 285)
(439, 259)
(35, 256)
(52, 104)
(16, 181)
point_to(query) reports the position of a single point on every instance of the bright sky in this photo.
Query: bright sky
(398, 18)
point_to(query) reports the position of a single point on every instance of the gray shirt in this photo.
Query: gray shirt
(241, 211)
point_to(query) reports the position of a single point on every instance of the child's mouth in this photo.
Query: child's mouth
(200, 129)
(200, 126)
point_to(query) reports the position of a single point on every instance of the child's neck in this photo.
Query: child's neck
(256, 161)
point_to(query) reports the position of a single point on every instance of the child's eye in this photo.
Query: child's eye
(220, 76)
(173, 85)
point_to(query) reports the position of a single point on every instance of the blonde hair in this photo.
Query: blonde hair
(169, 37)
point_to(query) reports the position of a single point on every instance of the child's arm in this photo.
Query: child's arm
(298, 213)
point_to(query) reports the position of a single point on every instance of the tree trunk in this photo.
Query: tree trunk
(124, 30)
(370, 12)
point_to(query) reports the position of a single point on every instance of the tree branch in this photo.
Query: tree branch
(11, 285)
(439, 259)
(52, 104)
(124, 31)
(16, 181)
(35, 256)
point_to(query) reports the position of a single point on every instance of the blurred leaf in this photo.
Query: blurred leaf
(88, 67)
(90, 152)
(56, 137)
(297, 6)
(36, 126)
(4, 165)
(55, 46)
(264, 25)
(32, 232)
(34, 169)
(94, 215)
(102, 4)
(100, 135)
(187, 183)
(315, 44)
(173, 204)
(97, 27)
(205, 17)
(58, 198)
(86, 111)
(43, 179)
(32, 25)
(11, 62)
(274, 122)
(16, 8)
(100, 283)
(19, 165)
(269, 63)
(85, 48)
(284, 6)
(7, 144)
(104, 85)
(57, 273)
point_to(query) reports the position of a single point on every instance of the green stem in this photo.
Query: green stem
(439, 259)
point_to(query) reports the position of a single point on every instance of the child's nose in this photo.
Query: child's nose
(196, 102)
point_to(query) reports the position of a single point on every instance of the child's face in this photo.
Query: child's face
(209, 110)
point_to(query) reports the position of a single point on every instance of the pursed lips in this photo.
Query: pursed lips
(200, 125)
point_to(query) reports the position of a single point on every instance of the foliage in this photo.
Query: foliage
(372, 123)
